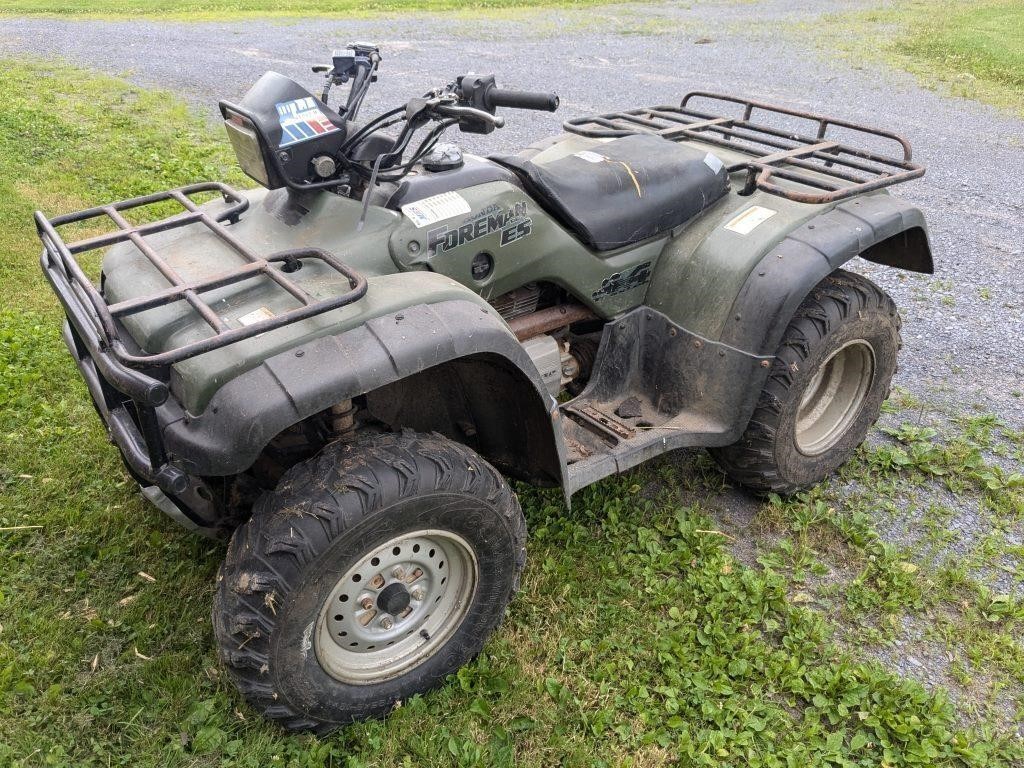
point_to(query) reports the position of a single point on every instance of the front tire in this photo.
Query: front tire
(373, 571)
(825, 389)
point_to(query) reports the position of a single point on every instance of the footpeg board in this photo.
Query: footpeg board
(655, 387)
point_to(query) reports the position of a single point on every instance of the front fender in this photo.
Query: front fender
(247, 412)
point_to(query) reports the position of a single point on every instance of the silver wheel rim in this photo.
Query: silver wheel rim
(833, 397)
(396, 607)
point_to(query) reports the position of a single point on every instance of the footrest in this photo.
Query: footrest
(598, 421)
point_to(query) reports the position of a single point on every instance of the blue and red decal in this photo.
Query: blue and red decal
(302, 120)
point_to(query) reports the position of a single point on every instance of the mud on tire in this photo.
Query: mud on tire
(325, 515)
(846, 320)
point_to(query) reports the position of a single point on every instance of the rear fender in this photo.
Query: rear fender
(739, 293)
(879, 228)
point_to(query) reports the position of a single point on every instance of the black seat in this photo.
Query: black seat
(625, 190)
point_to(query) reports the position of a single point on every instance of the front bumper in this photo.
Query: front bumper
(122, 428)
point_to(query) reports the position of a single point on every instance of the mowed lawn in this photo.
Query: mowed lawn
(652, 628)
(973, 49)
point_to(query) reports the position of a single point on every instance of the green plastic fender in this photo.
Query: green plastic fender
(196, 380)
(740, 285)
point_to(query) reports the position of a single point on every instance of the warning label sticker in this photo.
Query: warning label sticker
(437, 208)
(714, 162)
(256, 316)
(747, 221)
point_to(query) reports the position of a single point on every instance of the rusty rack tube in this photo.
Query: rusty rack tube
(828, 169)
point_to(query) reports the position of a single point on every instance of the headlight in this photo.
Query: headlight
(246, 144)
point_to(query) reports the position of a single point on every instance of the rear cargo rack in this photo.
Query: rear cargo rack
(80, 297)
(812, 168)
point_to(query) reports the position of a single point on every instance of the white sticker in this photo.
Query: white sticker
(713, 162)
(256, 316)
(436, 208)
(745, 222)
(590, 157)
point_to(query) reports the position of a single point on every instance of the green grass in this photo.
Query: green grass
(649, 630)
(196, 10)
(973, 49)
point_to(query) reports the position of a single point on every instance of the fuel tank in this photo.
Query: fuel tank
(478, 225)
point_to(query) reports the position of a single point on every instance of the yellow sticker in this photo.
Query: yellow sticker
(745, 222)
(256, 316)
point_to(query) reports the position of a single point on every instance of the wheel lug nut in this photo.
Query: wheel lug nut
(418, 594)
(386, 622)
(366, 603)
(398, 572)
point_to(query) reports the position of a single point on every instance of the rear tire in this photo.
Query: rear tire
(373, 571)
(825, 389)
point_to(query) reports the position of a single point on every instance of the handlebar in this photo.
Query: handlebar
(469, 101)
(502, 97)
(480, 91)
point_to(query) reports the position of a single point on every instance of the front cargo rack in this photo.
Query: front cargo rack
(129, 385)
(814, 167)
(85, 304)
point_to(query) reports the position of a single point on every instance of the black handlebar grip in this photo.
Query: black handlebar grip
(499, 97)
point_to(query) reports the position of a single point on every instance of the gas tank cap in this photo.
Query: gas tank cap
(443, 157)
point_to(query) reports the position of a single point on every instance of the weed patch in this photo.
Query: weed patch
(209, 10)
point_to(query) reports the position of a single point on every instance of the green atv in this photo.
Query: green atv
(340, 369)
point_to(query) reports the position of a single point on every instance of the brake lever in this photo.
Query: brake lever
(452, 110)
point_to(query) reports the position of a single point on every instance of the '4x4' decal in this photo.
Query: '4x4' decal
(620, 282)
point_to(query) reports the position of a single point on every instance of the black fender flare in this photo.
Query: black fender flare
(250, 410)
(878, 228)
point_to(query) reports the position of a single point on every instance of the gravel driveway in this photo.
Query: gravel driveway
(963, 327)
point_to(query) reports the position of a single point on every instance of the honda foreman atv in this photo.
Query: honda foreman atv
(343, 367)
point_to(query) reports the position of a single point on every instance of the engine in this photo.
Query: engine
(563, 359)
